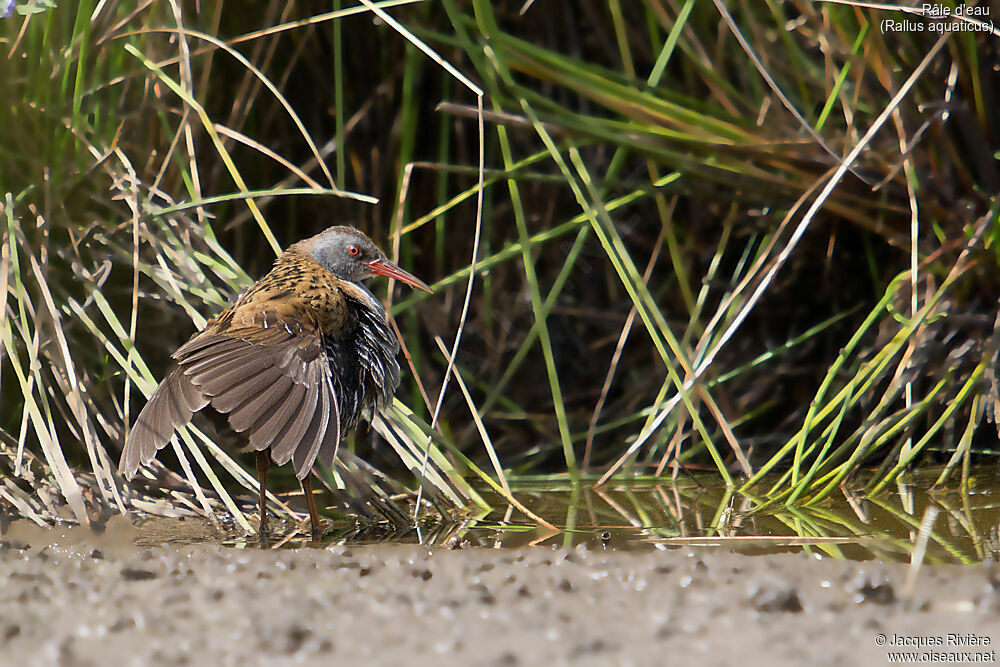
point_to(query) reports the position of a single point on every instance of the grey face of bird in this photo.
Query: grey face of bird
(345, 252)
(348, 254)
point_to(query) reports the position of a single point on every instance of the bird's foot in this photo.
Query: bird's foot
(263, 534)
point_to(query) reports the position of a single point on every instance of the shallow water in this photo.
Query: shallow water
(694, 513)
(651, 515)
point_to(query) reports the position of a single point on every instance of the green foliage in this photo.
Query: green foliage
(109, 235)
(676, 266)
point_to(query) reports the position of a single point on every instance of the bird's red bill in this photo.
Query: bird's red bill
(383, 267)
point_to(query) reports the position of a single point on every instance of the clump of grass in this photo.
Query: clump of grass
(110, 233)
(653, 120)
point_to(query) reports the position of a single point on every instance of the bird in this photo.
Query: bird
(294, 363)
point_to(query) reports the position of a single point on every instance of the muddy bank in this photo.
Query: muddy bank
(74, 598)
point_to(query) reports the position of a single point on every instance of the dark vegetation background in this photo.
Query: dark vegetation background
(655, 144)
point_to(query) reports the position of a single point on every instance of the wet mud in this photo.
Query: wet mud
(71, 597)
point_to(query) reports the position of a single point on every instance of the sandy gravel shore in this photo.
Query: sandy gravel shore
(73, 598)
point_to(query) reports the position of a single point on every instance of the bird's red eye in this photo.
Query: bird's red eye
(353, 250)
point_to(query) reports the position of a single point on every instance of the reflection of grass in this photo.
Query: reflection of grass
(668, 515)
(675, 266)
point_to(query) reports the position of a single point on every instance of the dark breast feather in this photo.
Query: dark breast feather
(363, 360)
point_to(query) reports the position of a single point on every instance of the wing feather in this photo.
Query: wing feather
(275, 426)
(305, 453)
(235, 394)
(261, 406)
(171, 406)
(267, 370)
(299, 424)
(205, 363)
(209, 346)
(331, 441)
(238, 373)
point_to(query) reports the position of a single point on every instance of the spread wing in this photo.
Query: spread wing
(171, 405)
(267, 371)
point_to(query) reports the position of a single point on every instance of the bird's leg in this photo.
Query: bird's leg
(307, 491)
(263, 463)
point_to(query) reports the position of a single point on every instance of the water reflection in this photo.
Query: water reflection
(698, 512)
